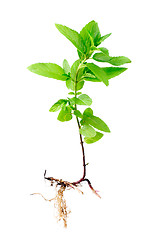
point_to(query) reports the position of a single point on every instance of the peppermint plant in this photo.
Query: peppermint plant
(91, 128)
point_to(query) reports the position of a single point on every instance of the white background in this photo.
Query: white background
(124, 166)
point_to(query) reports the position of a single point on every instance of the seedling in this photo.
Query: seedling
(91, 128)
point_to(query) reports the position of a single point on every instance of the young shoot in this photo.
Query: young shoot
(91, 128)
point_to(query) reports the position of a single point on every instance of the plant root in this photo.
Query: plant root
(59, 200)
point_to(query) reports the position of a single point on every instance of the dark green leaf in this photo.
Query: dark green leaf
(58, 105)
(66, 67)
(98, 72)
(72, 36)
(87, 131)
(118, 61)
(78, 114)
(85, 99)
(98, 123)
(94, 139)
(50, 70)
(65, 114)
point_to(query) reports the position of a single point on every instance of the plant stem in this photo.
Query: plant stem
(81, 140)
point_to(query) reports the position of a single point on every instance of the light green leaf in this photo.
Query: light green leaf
(70, 84)
(93, 29)
(65, 114)
(58, 105)
(87, 131)
(79, 86)
(66, 67)
(94, 139)
(85, 99)
(103, 38)
(113, 71)
(50, 70)
(74, 69)
(98, 72)
(118, 61)
(72, 36)
(96, 122)
(88, 112)
(77, 113)
(71, 93)
(103, 56)
(78, 93)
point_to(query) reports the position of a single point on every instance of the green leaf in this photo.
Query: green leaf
(87, 131)
(70, 84)
(77, 113)
(79, 86)
(78, 93)
(103, 38)
(94, 139)
(85, 99)
(113, 71)
(88, 112)
(118, 61)
(71, 93)
(65, 114)
(50, 70)
(96, 122)
(103, 56)
(66, 67)
(74, 69)
(58, 105)
(93, 29)
(72, 36)
(98, 72)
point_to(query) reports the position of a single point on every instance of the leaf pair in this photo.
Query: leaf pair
(65, 112)
(89, 122)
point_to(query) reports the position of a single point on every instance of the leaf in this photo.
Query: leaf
(93, 29)
(74, 69)
(70, 84)
(79, 85)
(103, 38)
(77, 113)
(71, 93)
(50, 70)
(103, 56)
(66, 67)
(58, 105)
(65, 114)
(72, 36)
(96, 122)
(88, 112)
(94, 139)
(117, 61)
(98, 72)
(113, 71)
(87, 131)
(85, 99)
